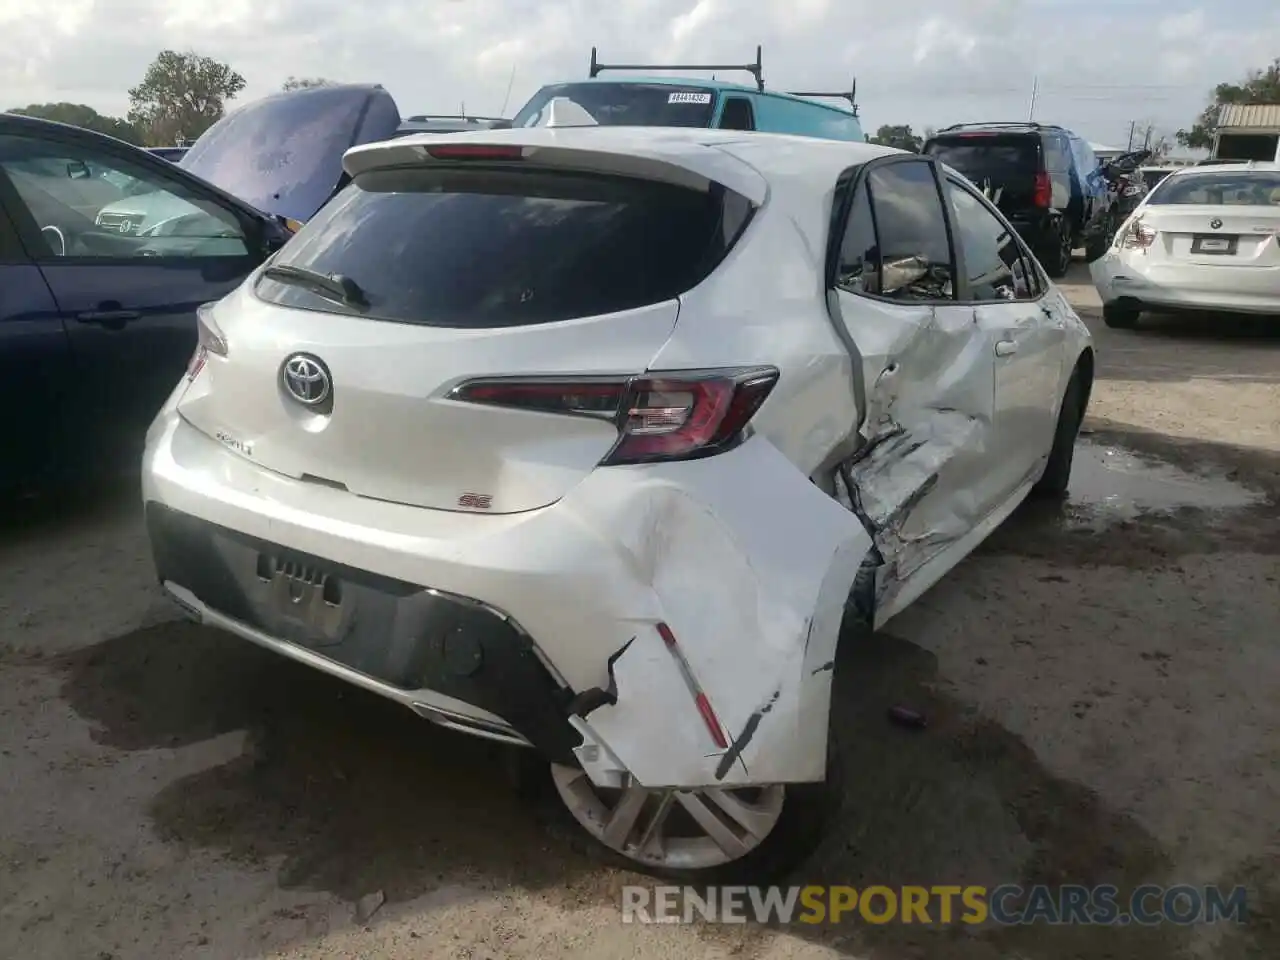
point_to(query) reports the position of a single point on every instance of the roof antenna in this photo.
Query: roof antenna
(510, 81)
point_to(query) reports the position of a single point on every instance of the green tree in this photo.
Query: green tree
(305, 83)
(181, 96)
(899, 136)
(1259, 86)
(80, 115)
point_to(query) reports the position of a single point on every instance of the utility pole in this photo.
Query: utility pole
(1035, 89)
(1146, 142)
(1132, 125)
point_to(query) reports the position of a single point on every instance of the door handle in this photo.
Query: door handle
(113, 319)
(1006, 348)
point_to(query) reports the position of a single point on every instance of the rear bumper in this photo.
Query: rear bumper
(502, 620)
(450, 658)
(1128, 276)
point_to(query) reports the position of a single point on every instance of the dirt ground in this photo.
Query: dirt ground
(1100, 678)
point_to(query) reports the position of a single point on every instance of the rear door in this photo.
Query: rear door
(1028, 338)
(459, 271)
(926, 370)
(35, 360)
(1002, 165)
(127, 277)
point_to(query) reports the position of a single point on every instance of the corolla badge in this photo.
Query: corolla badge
(1215, 223)
(307, 379)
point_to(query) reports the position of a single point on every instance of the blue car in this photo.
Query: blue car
(679, 102)
(107, 250)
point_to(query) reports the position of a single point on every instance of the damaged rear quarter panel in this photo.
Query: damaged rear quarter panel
(751, 565)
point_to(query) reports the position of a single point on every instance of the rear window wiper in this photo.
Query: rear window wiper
(334, 286)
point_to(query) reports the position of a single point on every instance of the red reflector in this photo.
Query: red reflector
(700, 700)
(712, 721)
(475, 151)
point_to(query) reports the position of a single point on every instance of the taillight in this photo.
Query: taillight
(209, 340)
(679, 415)
(1136, 235)
(1043, 195)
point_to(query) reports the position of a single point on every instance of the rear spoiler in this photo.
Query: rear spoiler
(546, 147)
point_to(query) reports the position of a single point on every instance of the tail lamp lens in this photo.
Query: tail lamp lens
(667, 416)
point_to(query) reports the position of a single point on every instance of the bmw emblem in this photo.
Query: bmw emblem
(306, 379)
(1215, 223)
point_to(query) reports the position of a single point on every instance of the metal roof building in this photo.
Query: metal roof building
(1263, 118)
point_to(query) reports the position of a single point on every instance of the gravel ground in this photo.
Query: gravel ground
(1100, 681)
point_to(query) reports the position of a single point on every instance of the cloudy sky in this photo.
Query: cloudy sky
(1100, 64)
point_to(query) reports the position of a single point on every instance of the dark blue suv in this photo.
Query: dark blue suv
(107, 250)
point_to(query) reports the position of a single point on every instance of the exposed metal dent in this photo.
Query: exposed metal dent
(914, 480)
(754, 591)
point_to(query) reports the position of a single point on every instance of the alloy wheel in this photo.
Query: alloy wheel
(672, 829)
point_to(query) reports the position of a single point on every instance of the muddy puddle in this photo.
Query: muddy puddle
(1111, 483)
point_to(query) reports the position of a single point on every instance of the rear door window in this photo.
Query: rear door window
(488, 247)
(906, 254)
(737, 114)
(996, 266)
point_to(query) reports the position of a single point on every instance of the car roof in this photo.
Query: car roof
(1263, 166)
(710, 153)
(997, 126)
(722, 86)
(16, 122)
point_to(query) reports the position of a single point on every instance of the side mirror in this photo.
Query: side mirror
(78, 170)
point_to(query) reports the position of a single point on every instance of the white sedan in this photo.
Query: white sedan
(591, 440)
(1206, 238)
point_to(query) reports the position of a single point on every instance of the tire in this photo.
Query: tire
(807, 810)
(1097, 246)
(1057, 471)
(1119, 316)
(1055, 255)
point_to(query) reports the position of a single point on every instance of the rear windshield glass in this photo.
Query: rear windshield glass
(1256, 188)
(1000, 159)
(491, 247)
(620, 104)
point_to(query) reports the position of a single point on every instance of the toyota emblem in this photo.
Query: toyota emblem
(1215, 223)
(126, 226)
(307, 380)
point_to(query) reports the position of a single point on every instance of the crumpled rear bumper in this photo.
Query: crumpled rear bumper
(726, 576)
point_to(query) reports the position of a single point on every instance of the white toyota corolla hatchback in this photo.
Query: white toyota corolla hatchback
(1206, 238)
(589, 440)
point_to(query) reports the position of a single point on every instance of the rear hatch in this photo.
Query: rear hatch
(1216, 219)
(464, 270)
(1003, 165)
(283, 154)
